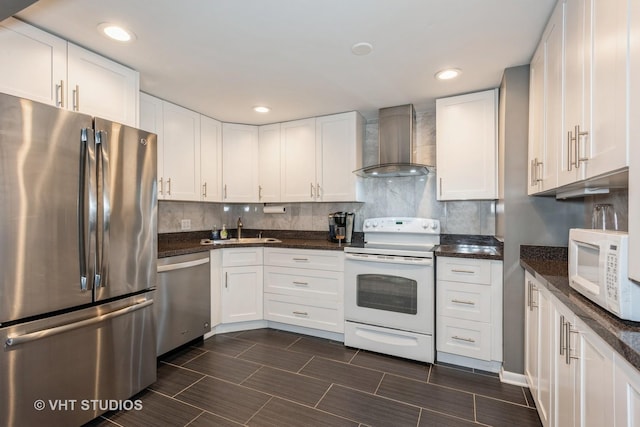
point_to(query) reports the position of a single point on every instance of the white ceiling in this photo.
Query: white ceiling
(222, 57)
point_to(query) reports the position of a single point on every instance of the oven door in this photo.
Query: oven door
(389, 291)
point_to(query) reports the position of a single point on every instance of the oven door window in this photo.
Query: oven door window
(388, 293)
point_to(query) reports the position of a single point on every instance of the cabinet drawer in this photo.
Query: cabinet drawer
(463, 337)
(464, 270)
(463, 301)
(240, 257)
(326, 285)
(325, 315)
(305, 258)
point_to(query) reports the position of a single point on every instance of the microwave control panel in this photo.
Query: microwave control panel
(611, 274)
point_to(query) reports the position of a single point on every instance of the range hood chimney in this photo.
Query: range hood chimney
(397, 151)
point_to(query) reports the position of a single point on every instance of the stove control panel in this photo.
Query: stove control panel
(402, 225)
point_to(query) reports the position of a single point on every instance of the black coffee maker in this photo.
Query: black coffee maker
(341, 226)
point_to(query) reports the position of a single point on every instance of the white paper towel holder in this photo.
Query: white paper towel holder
(274, 209)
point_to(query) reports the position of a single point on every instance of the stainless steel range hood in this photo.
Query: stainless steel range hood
(397, 151)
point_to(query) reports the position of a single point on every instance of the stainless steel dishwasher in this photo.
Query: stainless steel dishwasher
(182, 303)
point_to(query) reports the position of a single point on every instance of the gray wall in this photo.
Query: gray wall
(521, 219)
(411, 196)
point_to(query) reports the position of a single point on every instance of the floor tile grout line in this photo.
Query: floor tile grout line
(505, 401)
(110, 421)
(250, 375)
(306, 364)
(189, 386)
(196, 417)
(290, 345)
(271, 397)
(379, 384)
(354, 356)
(323, 395)
(446, 414)
(237, 356)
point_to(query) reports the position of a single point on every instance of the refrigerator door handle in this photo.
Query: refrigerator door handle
(45, 333)
(102, 252)
(87, 209)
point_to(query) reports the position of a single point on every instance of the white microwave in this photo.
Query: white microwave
(598, 266)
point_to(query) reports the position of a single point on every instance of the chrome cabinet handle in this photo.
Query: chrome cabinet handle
(563, 341)
(538, 171)
(471, 340)
(300, 313)
(311, 192)
(462, 271)
(300, 259)
(532, 179)
(570, 139)
(204, 190)
(300, 283)
(568, 333)
(259, 192)
(580, 158)
(457, 301)
(161, 186)
(76, 98)
(226, 279)
(440, 187)
(169, 186)
(60, 90)
(225, 191)
(533, 289)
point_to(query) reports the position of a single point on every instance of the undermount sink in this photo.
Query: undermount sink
(471, 249)
(244, 240)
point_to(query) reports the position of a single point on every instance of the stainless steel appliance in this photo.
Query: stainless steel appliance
(341, 226)
(389, 288)
(598, 269)
(78, 247)
(182, 306)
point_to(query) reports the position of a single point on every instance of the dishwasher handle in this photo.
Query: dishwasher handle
(181, 265)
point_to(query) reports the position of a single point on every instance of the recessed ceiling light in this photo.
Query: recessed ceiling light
(116, 32)
(261, 109)
(362, 48)
(448, 74)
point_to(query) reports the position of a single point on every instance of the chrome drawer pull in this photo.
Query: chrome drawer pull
(301, 313)
(301, 259)
(463, 271)
(301, 283)
(455, 337)
(463, 302)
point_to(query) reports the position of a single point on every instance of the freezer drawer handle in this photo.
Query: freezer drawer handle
(181, 265)
(21, 339)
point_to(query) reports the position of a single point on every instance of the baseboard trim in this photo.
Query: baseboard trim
(513, 378)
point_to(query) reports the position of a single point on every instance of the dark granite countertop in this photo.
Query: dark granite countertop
(469, 246)
(172, 244)
(549, 266)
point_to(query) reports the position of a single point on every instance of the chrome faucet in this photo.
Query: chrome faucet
(239, 228)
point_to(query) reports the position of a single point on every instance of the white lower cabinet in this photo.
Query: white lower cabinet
(570, 369)
(304, 288)
(627, 392)
(241, 284)
(469, 312)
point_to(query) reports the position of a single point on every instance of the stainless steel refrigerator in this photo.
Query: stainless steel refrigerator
(78, 250)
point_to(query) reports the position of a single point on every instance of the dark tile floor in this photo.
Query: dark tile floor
(266, 377)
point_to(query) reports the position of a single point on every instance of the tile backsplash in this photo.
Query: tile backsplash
(406, 196)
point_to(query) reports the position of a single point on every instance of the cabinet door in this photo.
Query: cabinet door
(151, 120)
(595, 378)
(298, 160)
(34, 63)
(239, 163)
(634, 148)
(269, 163)
(337, 156)
(564, 368)
(242, 294)
(531, 335)
(536, 121)
(627, 384)
(545, 354)
(467, 154)
(101, 87)
(181, 153)
(210, 159)
(607, 149)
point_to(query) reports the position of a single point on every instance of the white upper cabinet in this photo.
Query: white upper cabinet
(34, 63)
(101, 87)
(39, 66)
(545, 107)
(337, 156)
(298, 140)
(269, 163)
(181, 166)
(466, 134)
(210, 159)
(151, 120)
(596, 64)
(239, 163)
(634, 145)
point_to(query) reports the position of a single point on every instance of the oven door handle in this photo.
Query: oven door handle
(388, 259)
